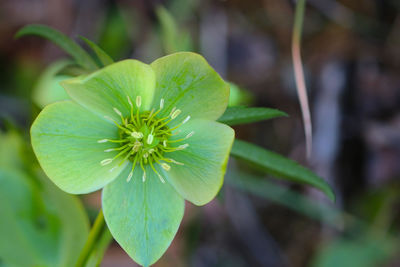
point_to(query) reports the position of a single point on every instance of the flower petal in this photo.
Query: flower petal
(64, 139)
(143, 217)
(108, 88)
(186, 81)
(205, 160)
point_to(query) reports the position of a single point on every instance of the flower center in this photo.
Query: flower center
(144, 139)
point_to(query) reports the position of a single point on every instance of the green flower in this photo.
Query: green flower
(147, 134)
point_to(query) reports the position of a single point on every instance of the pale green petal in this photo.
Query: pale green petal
(108, 88)
(186, 81)
(202, 174)
(143, 217)
(64, 139)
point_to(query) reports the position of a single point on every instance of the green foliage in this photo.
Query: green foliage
(242, 115)
(48, 89)
(102, 56)
(365, 251)
(81, 57)
(279, 166)
(173, 38)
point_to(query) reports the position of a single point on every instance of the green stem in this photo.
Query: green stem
(98, 240)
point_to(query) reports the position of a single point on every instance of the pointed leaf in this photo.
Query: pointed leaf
(81, 57)
(279, 166)
(243, 115)
(104, 58)
(143, 217)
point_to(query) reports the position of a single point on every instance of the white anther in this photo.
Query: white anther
(138, 101)
(172, 111)
(102, 141)
(189, 135)
(183, 146)
(129, 177)
(161, 103)
(137, 135)
(144, 177)
(136, 146)
(186, 120)
(117, 111)
(104, 162)
(112, 169)
(129, 101)
(161, 179)
(165, 143)
(150, 139)
(151, 150)
(175, 114)
(165, 166)
(146, 155)
(109, 150)
(176, 162)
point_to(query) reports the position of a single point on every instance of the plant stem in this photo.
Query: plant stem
(299, 73)
(98, 240)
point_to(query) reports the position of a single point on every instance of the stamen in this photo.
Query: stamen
(175, 114)
(165, 143)
(162, 103)
(144, 176)
(150, 139)
(129, 177)
(183, 146)
(137, 135)
(186, 120)
(138, 101)
(189, 134)
(109, 150)
(104, 162)
(165, 166)
(118, 112)
(129, 101)
(172, 111)
(112, 169)
(102, 141)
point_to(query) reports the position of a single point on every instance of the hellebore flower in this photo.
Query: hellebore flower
(147, 134)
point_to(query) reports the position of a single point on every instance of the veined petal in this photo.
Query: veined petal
(110, 87)
(65, 140)
(186, 81)
(205, 159)
(143, 217)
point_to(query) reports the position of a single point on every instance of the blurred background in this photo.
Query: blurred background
(351, 56)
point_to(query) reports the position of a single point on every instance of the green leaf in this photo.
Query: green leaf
(143, 217)
(173, 39)
(205, 159)
(81, 57)
(239, 96)
(366, 251)
(48, 89)
(108, 88)
(104, 58)
(262, 187)
(48, 226)
(242, 115)
(65, 140)
(279, 166)
(186, 81)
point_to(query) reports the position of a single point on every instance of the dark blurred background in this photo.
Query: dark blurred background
(351, 56)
